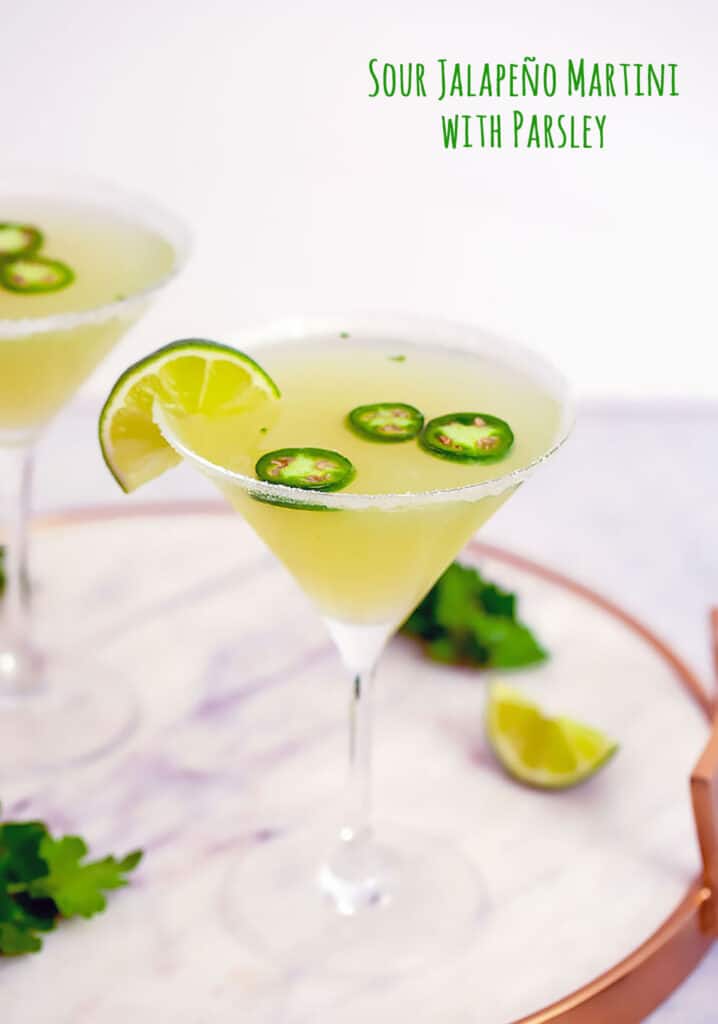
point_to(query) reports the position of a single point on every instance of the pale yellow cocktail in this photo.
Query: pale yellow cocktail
(373, 563)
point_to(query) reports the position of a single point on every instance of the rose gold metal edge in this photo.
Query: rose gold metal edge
(103, 513)
(704, 794)
(714, 645)
(630, 990)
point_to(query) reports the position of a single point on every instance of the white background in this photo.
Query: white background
(254, 122)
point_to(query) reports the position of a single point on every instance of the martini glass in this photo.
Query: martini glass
(372, 897)
(120, 250)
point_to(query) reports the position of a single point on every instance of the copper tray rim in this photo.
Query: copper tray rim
(635, 986)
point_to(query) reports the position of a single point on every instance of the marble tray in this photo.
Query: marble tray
(242, 733)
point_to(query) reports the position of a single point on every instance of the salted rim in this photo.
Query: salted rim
(26, 183)
(423, 333)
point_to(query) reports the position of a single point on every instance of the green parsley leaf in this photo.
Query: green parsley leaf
(43, 879)
(466, 620)
(76, 888)
(20, 860)
(20, 921)
(15, 940)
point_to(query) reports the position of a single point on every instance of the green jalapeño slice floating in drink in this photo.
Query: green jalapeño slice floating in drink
(468, 437)
(19, 240)
(33, 275)
(386, 421)
(22, 268)
(311, 469)
(316, 469)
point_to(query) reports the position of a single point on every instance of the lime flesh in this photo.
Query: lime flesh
(549, 753)
(187, 378)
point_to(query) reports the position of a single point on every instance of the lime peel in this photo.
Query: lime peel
(547, 753)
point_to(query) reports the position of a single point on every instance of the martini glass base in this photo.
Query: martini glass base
(419, 905)
(77, 713)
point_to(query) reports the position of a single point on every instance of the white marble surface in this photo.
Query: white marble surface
(242, 739)
(629, 507)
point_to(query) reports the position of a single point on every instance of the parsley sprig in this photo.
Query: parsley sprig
(43, 879)
(466, 620)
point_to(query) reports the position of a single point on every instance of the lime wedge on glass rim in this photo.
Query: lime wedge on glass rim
(549, 753)
(189, 377)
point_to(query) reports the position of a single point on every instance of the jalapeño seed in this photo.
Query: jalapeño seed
(18, 240)
(33, 275)
(468, 437)
(386, 421)
(314, 469)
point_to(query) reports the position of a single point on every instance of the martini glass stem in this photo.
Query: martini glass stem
(352, 875)
(357, 806)
(18, 661)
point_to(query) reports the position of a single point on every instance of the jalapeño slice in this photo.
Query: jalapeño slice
(386, 421)
(18, 240)
(314, 469)
(31, 275)
(468, 437)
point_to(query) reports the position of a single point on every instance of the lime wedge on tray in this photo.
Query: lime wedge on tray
(549, 753)
(192, 377)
